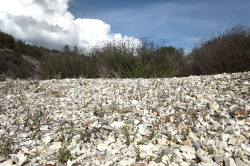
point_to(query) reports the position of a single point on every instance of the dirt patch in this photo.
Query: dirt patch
(30, 59)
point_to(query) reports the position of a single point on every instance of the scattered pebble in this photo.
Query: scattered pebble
(195, 120)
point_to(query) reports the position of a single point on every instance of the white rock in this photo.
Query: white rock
(230, 162)
(191, 153)
(44, 128)
(192, 136)
(215, 125)
(47, 139)
(8, 97)
(162, 141)
(165, 159)
(111, 139)
(177, 157)
(136, 122)
(114, 151)
(143, 154)
(141, 129)
(55, 145)
(25, 150)
(153, 163)
(213, 106)
(7, 163)
(27, 143)
(22, 159)
(222, 144)
(69, 163)
(210, 142)
(145, 148)
(199, 96)
(145, 97)
(184, 148)
(145, 111)
(247, 108)
(125, 162)
(102, 147)
(184, 164)
(12, 133)
(154, 147)
(225, 137)
(247, 149)
(202, 155)
(93, 124)
(24, 135)
(118, 124)
(241, 122)
(134, 102)
(150, 92)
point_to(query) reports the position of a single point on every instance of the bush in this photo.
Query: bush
(228, 52)
(64, 156)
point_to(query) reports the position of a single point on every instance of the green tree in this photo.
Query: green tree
(7, 40)
(75, 49)
(66, 48)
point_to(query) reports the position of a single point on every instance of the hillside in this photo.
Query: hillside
(17, 65)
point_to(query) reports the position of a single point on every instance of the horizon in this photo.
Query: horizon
(54, 24)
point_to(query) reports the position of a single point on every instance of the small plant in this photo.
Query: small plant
(210, 150)
(220, 128)
(162, 153)
(58, 77)
(184, 133)
(137, 151)
(152, 134)
(142, 142)
(5, 147)
(150, 159)
(34, 135)
(171, 158)
(169, 137)
(178, 119)
(156, 142)
(167, 118)
(85, 137)
(115, 133)
(238, 154)
(61, 138)
(127, 135)
(64, 156)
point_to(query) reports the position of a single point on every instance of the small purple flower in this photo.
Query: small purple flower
(11, 107)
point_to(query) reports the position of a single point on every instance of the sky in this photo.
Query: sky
(84, 23)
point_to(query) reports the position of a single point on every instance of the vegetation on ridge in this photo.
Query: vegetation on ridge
(228, 52)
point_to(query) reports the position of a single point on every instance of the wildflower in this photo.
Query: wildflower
(11, 107)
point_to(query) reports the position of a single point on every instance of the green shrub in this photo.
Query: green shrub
(64, 156)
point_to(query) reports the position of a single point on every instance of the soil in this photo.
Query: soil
(30, 59)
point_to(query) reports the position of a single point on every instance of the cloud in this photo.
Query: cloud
(48, 23)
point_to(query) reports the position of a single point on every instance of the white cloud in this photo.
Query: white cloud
(48, 23)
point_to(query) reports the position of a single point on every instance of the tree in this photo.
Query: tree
(75, 49)
(7, 40)
(66, 48)
(55, 51)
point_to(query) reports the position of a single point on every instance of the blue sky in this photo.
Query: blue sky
(54, 23)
